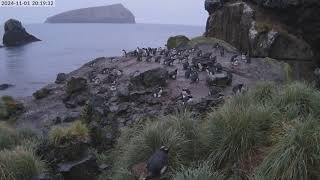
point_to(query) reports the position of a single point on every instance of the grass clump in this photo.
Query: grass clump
(176, 132)
(298, 100)
(8, 137)
(9, 108)
(235, 130)
(201, 172)
(77, 131)
(296, 156)
(19, 164)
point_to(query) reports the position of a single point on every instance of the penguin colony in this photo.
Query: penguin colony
(193, 61)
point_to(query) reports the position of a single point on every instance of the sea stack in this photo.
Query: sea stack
(115, 13)
(15, 34)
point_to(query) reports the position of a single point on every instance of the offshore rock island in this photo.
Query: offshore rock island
(115, 13)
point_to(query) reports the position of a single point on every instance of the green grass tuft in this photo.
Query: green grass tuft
(296, 156)
(236, 129)
(77, 131)
(8, 137)
(298, 100)
(19, 164)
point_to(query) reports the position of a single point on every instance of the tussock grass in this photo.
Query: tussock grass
(201, 172)
(296, 156)
(264, 93)
(176, 132)
(77, 131)
(298, 100)
(236, 129)
(19, 164)
(8, 137)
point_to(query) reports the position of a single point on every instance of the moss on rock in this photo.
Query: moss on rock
(177, 41)
(201, 40)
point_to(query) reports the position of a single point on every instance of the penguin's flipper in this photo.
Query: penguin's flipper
(163, 170)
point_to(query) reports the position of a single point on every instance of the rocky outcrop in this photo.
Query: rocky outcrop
(177, 42)
(5, 86)
(15, 34)
(115, 13)
(256, 30)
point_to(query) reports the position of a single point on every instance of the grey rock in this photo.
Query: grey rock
(61, 77)
(75, 85)
(5, 86)
(151, 78)
(42, 93)
(212, 5)
(15, 34)
(84, 169)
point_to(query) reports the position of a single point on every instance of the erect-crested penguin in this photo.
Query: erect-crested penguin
(158, 92)
(238, 88)
(158, 162)
(173, 74)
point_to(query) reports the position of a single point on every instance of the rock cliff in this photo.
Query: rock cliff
(116, 13)
(278, 29)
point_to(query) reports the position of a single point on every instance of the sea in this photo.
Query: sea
(66, 47)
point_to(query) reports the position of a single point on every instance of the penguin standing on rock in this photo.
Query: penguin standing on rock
(158, 93)
(124, 53)
(238, 88)
(158, 163)
(173, 75)
(157, 59)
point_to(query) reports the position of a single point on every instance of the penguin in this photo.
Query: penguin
(124, 53)
(170, 62)
(194, 77)
(158, 93)
(218, 68)
(96, 81)
(148, 59)
(199, 53)
(113, 86)
(139, 57)
(238, 88)
(185, 65)
(233, 58)
(157, 59)
(248, 59)
(187, 74)
(222, 52)
(173, 74)
(186, 96)
(213, 91)
(158, 163)
(243, 57)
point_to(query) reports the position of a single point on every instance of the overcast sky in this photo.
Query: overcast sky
(189, 12)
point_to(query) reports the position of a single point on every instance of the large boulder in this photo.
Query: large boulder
(252, 29)
(177, 41)
(15, 34)
(150, 78)
(212, 5)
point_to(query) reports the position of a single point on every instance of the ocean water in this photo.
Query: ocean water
(66, 47)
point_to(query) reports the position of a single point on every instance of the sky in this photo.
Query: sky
(188, 12)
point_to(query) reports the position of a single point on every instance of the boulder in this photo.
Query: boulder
(84, 169)
(75, 85)
(61, 78)
(15, 34)
(42, 93)
(251, 29)
(150, 78)
(5, 86)
(177, 41)
(221, 80)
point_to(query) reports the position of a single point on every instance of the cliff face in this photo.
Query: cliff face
(278, 29)
(116, 13)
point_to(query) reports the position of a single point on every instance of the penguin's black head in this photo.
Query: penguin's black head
(164, 149)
